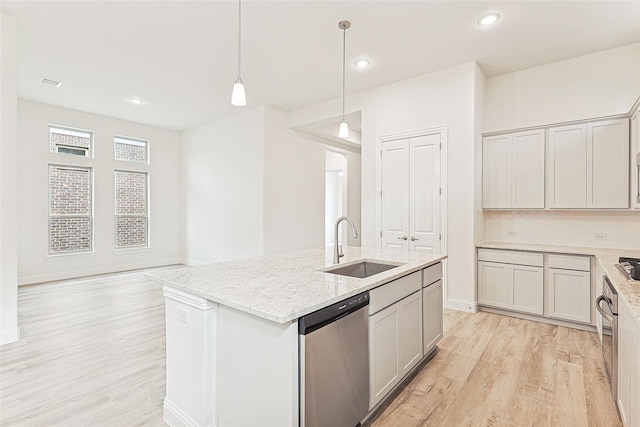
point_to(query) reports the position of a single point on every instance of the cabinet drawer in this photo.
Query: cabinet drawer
(534, 259)
(431, 274)
(570, 262)
(385, 295)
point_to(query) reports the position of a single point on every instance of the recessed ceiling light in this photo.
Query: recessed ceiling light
(362, 63)
(489, 18)
(49, 82)
(136, 100)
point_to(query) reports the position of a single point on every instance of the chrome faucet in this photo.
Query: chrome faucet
(337, 249)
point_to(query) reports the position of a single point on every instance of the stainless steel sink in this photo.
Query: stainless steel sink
(361, 269)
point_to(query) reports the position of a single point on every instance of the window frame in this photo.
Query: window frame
(126, 139)
(90, 215)
(89, 153)
(117, 216)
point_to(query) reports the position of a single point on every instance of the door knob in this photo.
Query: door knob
(402, 238)
(413, 239)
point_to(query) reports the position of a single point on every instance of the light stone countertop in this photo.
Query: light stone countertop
(285, 287)
(628, 291)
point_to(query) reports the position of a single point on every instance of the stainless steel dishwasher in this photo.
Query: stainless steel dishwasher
(334, 364)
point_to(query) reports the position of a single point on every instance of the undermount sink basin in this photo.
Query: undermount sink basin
(360, 269)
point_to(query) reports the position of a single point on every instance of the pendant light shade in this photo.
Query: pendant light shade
(343, 131)
(238, 95)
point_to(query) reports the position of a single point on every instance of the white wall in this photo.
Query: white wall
(9, 331)
(222, 182)
(354, 190)
(165, 235)
(251, 187)
(294, 177)
(443, 98)
(590, 86)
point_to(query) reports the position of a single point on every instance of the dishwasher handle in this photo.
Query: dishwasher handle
(332, 313)
(604, 313)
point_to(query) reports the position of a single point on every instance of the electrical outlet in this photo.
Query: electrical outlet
(183, 315)
(600, 236)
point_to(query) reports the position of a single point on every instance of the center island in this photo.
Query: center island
(232, 338)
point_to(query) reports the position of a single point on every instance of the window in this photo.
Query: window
(70, 141)
(130, 150)
(70, 209)
(131, 209)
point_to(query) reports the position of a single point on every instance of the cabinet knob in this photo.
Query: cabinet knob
(413, 239)
(402, 238)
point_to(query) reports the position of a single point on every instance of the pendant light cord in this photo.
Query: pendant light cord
(239, 35)
(344, 47)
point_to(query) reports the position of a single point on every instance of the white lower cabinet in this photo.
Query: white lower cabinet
(511, 286)
(569, 278)
(395, 345)
(628, 367)
(431, 316)
(516, 281)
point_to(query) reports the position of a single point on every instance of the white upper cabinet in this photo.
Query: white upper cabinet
(588, 165)
(634, 163)
(513, 171)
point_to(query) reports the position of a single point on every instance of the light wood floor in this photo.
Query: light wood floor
(92, 353)
(494, 370)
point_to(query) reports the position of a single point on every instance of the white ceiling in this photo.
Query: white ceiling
(180, 56)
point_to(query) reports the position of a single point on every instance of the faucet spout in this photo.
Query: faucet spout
(337, 249)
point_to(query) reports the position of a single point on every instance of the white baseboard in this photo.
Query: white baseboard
(9, 336)
(462, 305)
(73, 274)
(175, 417)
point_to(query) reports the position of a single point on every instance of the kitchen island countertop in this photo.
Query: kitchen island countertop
(628, 290)
(285, 287)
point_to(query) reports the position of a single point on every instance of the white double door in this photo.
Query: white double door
(410, 193)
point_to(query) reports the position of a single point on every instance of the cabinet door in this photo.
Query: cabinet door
(633, 164)
(567, 167)
(493, 284)
(496, 172)
(431, 316)
(424, 193)
(384, 362)
(570, 295)
(526, 289)
(608, 164)
(395, 195)
(527, 170)
(410, 332)
(628, 366)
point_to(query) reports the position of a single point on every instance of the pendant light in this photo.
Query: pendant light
(343, 131)
(238, 96)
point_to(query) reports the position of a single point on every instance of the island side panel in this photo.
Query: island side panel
(191, 328)
(258, 371)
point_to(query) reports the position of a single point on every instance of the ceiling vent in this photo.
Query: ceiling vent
(50, 82)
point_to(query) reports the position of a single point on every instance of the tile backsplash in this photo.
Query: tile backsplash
(573, 228)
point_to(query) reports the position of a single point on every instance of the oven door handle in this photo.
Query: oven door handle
(604, 314)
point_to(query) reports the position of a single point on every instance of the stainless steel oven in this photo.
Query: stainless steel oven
(607, 306)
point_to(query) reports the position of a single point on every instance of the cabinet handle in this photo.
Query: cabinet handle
(402, 238)
(413, 239)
